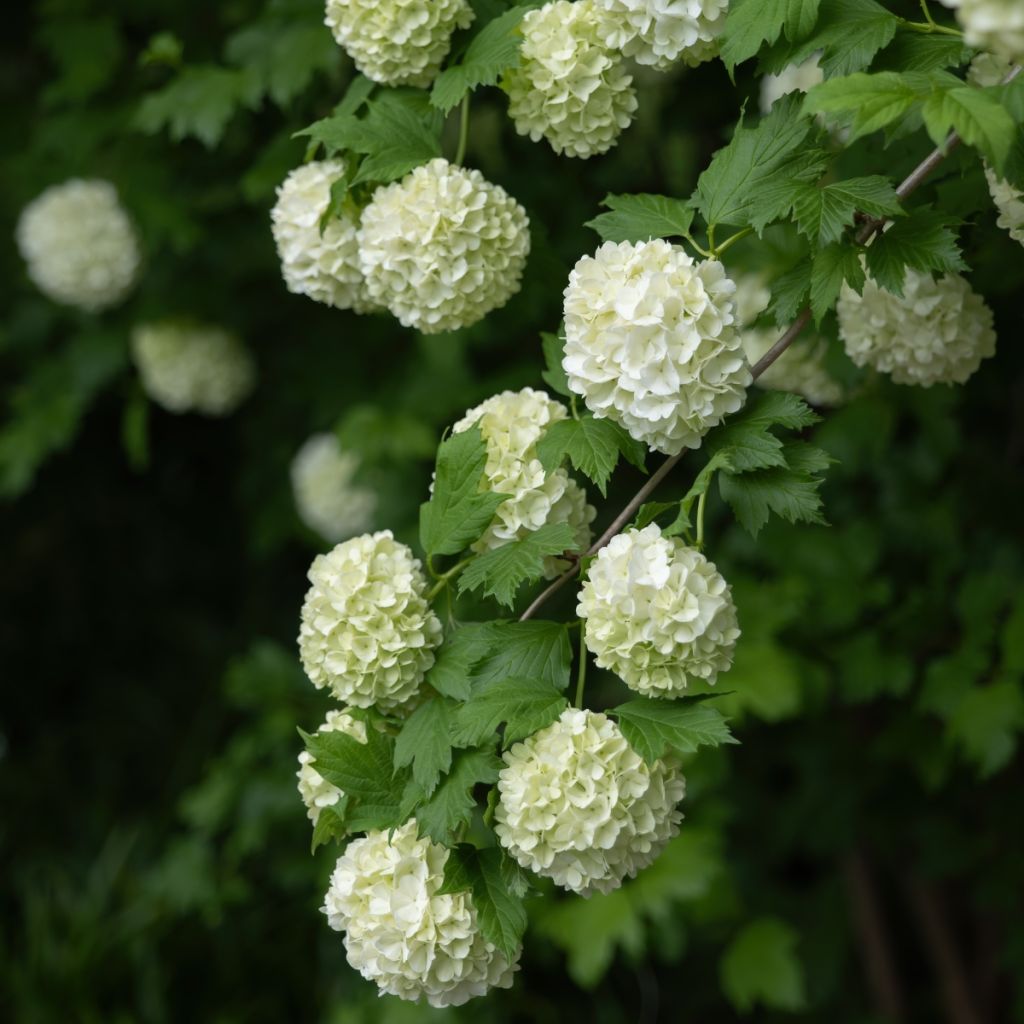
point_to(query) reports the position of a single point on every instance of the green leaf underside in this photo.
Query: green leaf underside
(425, 742)
(525, 705)
(593, 446)
(654, 728)
(501, 572)
(641, 217)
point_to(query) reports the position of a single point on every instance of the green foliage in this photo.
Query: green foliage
(452, 804)
(536, 649)
(592, 445)
(554, 373)
(640, 217)
(760, 966)
(824, 212)
(654, 728)
(751, 23)
(523, 705)
(425, 742)
(926, 241)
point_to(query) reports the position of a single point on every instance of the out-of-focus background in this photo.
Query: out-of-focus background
(860, 850)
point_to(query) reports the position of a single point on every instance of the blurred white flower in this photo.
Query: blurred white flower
(794, 78)
(994, 25)
(327, 499)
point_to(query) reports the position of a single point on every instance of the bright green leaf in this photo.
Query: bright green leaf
(425, 742)
(641, 217)
(656, 727)
(524, 704)
(592, 445)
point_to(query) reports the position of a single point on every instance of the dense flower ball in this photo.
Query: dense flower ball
(794, 78)
(660, 32)
(327, 499)
(367, 630)
(650, 342)
(321, 264)
(316, 792)
(397, 42)
(443, 247)
(657, 613)
(511, 424)
(994, 25)
(938, 332)
(80, 245)
(578, 805)
(403, 935)
(570, 87)
(192, 368)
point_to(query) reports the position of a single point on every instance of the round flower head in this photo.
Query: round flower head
(938, 332)
(327, 499)
(400, 932)
(660, 32)
(323, 264)
(650, 342)
(578, 805)
(569, 87)
(316, 792)
(794, 78)
(993, 25)
(397, 42)
(192, 369)
(511, 424)
(367, 631)
(657, 613)
(80, 246)
(443, 247)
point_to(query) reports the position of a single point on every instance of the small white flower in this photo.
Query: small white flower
(937, 333)
(327, 499)
(397, 42)
(80, 246)
(657, 613)
(321, 264)
(192, 369)
(579, 806)
(993, 25)
(403, 935)
(367, 631)
(443, 247)
(511, 424)
(794, 78)
(660, 32)
(316, 792)
(651, 342)
(569, 87)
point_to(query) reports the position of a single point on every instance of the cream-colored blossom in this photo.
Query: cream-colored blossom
(326, 497)
(80, 245)
(794, 78)
(192, 368)
(993, 25)
(578, 805)
(400, 932)
(321, 263)
(651, 342)
(569, 86)
(443, 247)
(397, 42)
(367, 631)
(938, 332)
(657, 613)
(512, 423)
(660, 32)
(316, 792)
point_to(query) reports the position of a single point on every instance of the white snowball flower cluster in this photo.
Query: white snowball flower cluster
(578, 805)
(316, 792)
(321, 264)
(651, 342)
(367, 631)
(937, 333)
(657, 613)
(403, 935)
(443, 247)
(326, 498)
(397, 42)
(80, 245)
(570, 87)
(794, 78)
(511, 424)
(192, 368)
(993, 25)
(801, 368)
(660, 32)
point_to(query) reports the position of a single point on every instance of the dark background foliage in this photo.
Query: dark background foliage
(862, 845)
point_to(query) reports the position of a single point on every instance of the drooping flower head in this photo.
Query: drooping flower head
(367, 631)
(660, 32)
(651, 342)
(80, 245)
(443, 247)
(400, 932)
(326, 497)
(316, 792)
(578, 805)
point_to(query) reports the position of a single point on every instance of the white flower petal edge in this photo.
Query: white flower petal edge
(316, 792)
(579, 806)
(994, 25)
(657, 613)
(367, 631)
(80, 245)
(403, 935)
(794, 78)
(326, 498)
(660, 32)
(651, 342)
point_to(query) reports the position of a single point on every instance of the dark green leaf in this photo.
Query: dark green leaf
(752, 23)
(463, 649)
(533, 650)
(925, 241)
(452, 803)
(823, 213)
(641, 217)
(833, 265)
(554, 373)
(592, 445)
(976, 116)
(425, 742)
(654, 728)
(746, 441)
(524, 704)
